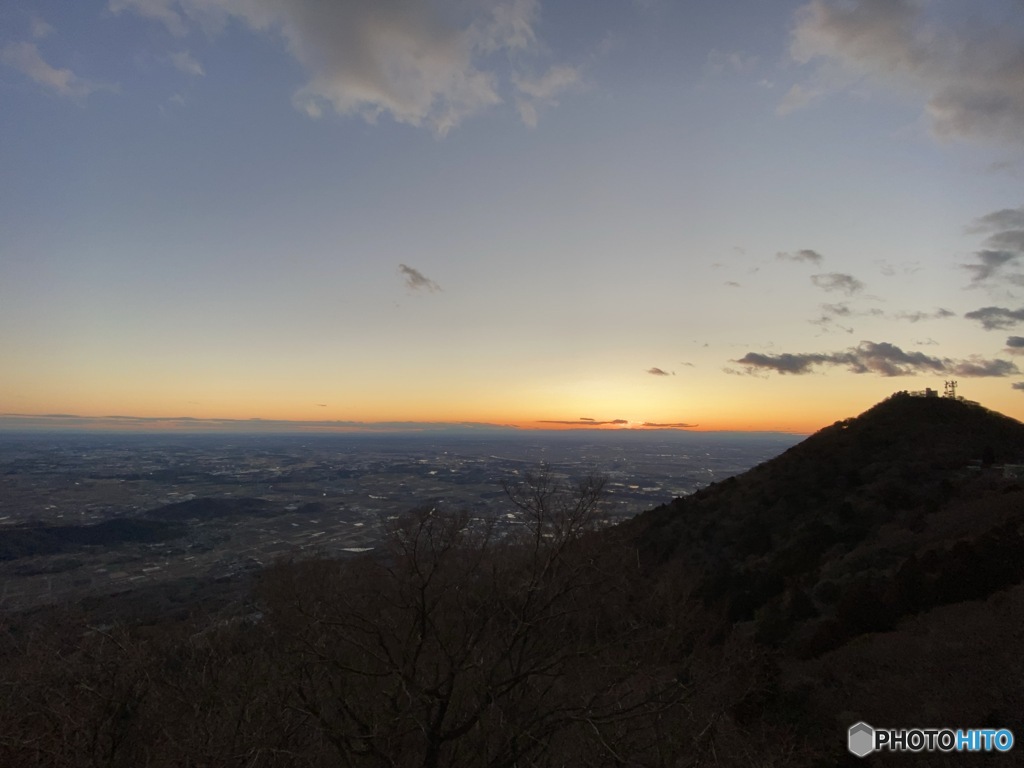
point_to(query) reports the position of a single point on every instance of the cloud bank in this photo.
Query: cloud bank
(882, 358)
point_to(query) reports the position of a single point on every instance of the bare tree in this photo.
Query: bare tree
(466, 645)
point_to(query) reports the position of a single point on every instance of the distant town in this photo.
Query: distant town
(96, 514)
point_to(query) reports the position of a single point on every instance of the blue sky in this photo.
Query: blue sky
(744, 215)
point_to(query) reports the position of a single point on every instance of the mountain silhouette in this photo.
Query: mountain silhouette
(894, 488)
(880, 562)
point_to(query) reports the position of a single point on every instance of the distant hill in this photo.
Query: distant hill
(36, 540)
(163, 523)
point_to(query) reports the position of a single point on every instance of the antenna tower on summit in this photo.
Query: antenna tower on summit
(950, 390)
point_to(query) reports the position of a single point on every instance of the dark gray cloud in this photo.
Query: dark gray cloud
(997, 318)
(968, 72)
(1007, 218)
(1011, 240)
(658, 372)
(416, 280)
(1002, 250)
(784, 363)
(1015, 345)
(880, 358)
(1018, 385)
(804, 254)
(989, 264)
(838, 281)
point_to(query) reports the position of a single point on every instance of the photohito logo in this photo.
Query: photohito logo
(862, 739)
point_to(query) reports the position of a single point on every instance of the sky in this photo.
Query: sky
(593, 214)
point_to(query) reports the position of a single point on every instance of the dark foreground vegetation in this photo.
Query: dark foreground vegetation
(873, 572)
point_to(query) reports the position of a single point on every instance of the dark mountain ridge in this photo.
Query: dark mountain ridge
(880, 563)
(882, 509)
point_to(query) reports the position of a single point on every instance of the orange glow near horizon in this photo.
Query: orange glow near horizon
(783, 404)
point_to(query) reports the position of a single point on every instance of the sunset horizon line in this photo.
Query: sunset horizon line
(11, 422)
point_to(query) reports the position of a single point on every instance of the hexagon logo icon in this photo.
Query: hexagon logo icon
(861, 739)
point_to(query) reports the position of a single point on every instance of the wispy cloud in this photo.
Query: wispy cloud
(1018, 385)
(163, 11)
(416, 280)
(187, 63)
(658, 372)
(917, 317)
(582, 422)
(804, 254)
(968, 74)
(830, 313)
(881, 358)
(735, 61)
(543, 90)
(843, 309)
(25, 58)
(838, 282)
(797, 97)
(40, 28)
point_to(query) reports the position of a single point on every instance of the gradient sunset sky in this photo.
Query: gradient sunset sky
(742, 215)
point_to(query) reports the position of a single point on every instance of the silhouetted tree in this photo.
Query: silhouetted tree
(463, 644)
